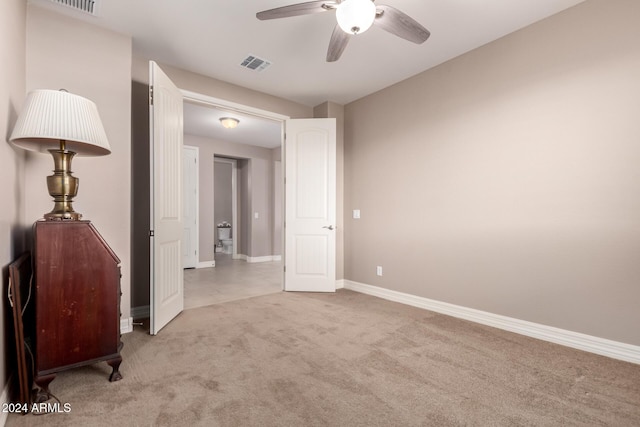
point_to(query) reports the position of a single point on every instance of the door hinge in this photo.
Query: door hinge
(150, 95)
(151, 234)
(285, 268)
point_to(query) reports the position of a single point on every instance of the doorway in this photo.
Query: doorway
(252, 203)
(225, 207)
(316, 139)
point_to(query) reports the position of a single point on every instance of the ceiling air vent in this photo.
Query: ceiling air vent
(254, 63)
(86, 6)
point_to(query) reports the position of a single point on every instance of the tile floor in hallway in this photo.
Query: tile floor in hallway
(229, 280)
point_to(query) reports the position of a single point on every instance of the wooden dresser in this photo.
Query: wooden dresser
(77, 300)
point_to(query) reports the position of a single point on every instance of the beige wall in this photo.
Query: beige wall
(95, 63)
(261, 188)
(244, 204)
(12, 94)
(197, 83)
(507, 180)
(278, 203)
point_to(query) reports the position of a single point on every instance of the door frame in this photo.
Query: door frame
(196, 150)
(199, 98)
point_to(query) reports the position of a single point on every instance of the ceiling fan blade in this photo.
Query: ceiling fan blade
(338, 42)
(296, 10)
(400, 24)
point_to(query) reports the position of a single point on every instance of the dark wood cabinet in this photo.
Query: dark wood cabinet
(77, 300)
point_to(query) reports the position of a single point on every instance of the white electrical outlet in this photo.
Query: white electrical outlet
(356, 214)
(379, 270)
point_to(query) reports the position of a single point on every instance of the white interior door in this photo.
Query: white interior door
(165, 119)
(310, 205)
(190, 206)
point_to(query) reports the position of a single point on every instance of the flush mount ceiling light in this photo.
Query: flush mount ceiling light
(229, 122)
(355, 16)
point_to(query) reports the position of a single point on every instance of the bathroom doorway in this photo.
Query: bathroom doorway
(225, 207)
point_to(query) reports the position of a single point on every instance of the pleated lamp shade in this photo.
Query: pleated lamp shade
(49, 116)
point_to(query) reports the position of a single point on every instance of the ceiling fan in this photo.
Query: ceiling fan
(354, 17)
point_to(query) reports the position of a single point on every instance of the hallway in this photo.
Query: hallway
(231, 279)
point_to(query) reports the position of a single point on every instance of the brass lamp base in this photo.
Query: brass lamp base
(63, 186)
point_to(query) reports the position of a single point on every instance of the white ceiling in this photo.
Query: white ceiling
(212, 37)
(205, 121)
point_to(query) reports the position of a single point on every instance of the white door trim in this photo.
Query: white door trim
(231, 106)
(196, 236)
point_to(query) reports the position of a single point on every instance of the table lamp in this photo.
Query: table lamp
(63, 124)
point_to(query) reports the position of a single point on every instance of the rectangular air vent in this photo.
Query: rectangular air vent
(86, 6)
(254, 63)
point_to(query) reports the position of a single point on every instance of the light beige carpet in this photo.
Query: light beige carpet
(344, 359)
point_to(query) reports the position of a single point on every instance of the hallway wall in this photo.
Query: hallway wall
(255, 195)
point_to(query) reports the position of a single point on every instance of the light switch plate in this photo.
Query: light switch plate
(356, 214)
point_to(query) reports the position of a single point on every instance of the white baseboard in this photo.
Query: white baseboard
(141, 312)
(126, 325)
(206, 264)
(340, 284)
(601, 346)
(4, 399)
(267, 258)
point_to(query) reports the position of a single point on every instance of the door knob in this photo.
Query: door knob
(330, 227)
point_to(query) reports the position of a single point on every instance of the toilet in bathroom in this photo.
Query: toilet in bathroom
(224, 236)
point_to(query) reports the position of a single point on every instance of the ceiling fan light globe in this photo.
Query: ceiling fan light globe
(355, 16)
